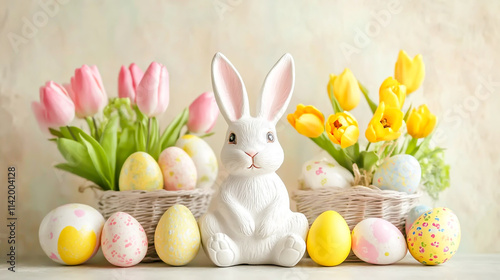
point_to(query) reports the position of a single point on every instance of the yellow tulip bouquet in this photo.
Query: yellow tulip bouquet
(386, 133)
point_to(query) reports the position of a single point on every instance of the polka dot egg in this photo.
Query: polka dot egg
(179, 171)
(70, 233)
(177, 236)
(377, 241)
(123, 242)
(434, 237)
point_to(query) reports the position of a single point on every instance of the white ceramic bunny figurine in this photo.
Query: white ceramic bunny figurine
(249, 220)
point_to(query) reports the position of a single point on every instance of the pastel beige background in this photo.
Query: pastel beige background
(459, 43)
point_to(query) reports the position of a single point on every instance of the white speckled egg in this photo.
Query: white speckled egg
(400, 173)
(140, 171)
(377, 241)
(179, 171)
(70, 233)
(177, 236)
(203, 157)
(413, 215)
(123, 241)
(324, 174)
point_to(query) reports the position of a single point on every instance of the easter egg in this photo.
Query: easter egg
(70, 233)
(329, 239)
(323, 174)
(177, 236)
(414, 213)
(140, 172)
(434, 237)
(123, 242)
(203, 157)
(400, 173)
(179, 171)
(377, 241)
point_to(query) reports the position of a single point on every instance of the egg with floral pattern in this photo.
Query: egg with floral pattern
(377, 241)
(179, 171)
(70, 233)
(413, 215)
(318, 174)
(434, 237)
(203, 158)
(123, 242)
(399, 173)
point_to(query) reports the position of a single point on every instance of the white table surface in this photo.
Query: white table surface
(461, 266)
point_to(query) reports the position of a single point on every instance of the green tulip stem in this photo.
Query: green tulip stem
(71, 132)
(96, 130)
(368, 146)
(339, 155)
(147, 137)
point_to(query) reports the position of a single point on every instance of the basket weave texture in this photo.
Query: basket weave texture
(356, 204)
(147, 207)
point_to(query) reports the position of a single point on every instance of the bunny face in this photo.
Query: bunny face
(251, 148)
(251, 145)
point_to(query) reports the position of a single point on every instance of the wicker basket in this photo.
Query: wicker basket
(356, 204)
(147, 207)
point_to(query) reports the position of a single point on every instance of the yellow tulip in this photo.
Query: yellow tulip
(421, 122)
(409, 72)
(307, 120)
(385, 124)
(345, 88)
(342, 129)
(392, 93)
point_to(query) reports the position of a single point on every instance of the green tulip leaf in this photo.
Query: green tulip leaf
(373, 105)
(140, 137)
(369, 159)
(78, 160)
(126, 147)
(55, 132)
(109, 141)
(154, 147)
(173, 131)
(99, 159)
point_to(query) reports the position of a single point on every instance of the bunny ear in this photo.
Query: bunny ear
(229, 89)
(277, 89)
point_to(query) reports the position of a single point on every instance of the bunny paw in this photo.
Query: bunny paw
(221, 250)
(290, 250)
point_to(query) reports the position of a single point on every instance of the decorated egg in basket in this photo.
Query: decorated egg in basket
(140, 171)
(179, 171)
(400, 173)
(203, 157)
(322, 174)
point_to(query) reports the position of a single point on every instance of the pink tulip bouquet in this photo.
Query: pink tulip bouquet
(128, 123)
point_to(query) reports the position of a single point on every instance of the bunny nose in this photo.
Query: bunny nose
(251, 154)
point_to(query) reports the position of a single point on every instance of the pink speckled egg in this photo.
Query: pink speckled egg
(179, 171)
(377, 241)
(123, 241)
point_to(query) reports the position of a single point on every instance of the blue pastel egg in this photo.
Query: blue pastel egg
(414, 213)
(400, 173)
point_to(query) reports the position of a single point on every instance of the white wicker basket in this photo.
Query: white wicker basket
(356, 204)
(147, 207)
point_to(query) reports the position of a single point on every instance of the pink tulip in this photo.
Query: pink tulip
(152, 92)
(203, 113)
(55, 108)
(88, 92)
(128, 80)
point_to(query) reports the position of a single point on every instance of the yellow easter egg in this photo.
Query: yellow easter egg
(76, 246)
(177, 236)
(434, 237)
(140, 172)
(329, 239)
